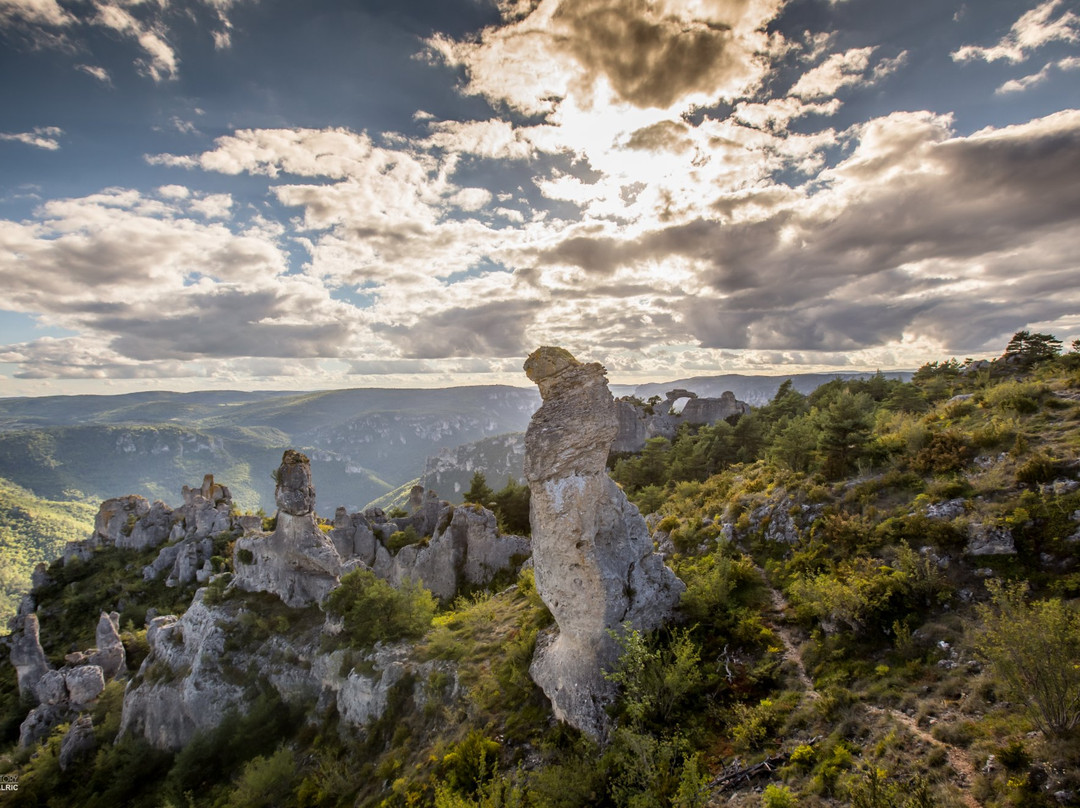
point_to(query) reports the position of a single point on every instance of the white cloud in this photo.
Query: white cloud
(99, 73)
(39, 12)
(1034, 29)
(1021, 84)
(163, 62)
(43, 137)
(213, 206)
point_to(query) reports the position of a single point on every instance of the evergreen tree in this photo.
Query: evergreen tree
(1029, 349)
(845, 431)
(479, 491)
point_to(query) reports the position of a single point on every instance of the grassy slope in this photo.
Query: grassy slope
(33, 530)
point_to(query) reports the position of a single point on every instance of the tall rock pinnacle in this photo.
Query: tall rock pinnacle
(592, 553)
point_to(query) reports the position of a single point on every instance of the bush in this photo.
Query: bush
(778, 797)
(402, 538)
(374, 611)
(1033, 649)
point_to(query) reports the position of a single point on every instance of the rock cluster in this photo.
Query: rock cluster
(636, 424)
(592, 554)
(64, 693)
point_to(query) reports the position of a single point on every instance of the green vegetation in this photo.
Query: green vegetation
(510, 504)
(839, 644)
(33, 530)
(373, 611)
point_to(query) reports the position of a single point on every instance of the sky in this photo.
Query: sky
(267, 194)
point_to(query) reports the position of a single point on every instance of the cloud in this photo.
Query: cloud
(1034, 29)
(915, 232)
(43, 137)
(1021, 84)
(35, 12)
(49, 24)
(162, 62)
(99, 73)
(646, 54)
(843, 70)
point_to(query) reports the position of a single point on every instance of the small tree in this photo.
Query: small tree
(1028, 349)
(1034, 648)
(479, 491)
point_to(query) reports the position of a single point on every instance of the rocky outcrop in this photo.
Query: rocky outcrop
(109, 654)
(78, 742)
(181, 687)
(638, 421)
(592, 554)
(297, 562)
(27, 656)
(466, 549)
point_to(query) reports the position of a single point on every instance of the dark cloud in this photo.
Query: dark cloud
(495, 329)
(651, 61)
(224, 324)
(661, 137)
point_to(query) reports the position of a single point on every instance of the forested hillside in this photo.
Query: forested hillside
(880, 611)
(32, 529)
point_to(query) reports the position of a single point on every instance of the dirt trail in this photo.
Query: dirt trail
(959, 760)
(787, 637)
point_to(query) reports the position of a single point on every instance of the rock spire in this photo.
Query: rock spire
(592, 553)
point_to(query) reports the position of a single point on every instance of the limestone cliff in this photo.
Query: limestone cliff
(592, 554)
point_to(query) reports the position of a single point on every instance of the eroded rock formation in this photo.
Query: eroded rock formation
(637, 422)
(592, 553)
(297, 562)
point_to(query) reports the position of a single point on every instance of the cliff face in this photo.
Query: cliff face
(636, 424)
(592, 554)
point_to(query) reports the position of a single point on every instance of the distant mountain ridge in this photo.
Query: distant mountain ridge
(754, 390)
(364, 442)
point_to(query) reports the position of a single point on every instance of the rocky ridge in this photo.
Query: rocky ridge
(200, 664)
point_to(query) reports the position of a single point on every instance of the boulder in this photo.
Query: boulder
(84, 684)
(110, 655)
(986, 540)
(116, 519)
(39, 723)
(150, 530)
(294, 492)
(592, 554)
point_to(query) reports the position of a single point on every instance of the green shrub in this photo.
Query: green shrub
(375, 611)
(245, 556)
(1037, 469)
(1033, 649)
(402, 538)
(776, 796)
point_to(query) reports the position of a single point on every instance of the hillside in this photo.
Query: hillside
(882, 582)
(32, 529)
(363, 443)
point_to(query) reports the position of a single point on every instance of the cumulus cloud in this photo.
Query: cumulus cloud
(647, 54)
(1035, 28)
(945, 219)
(43, 137)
